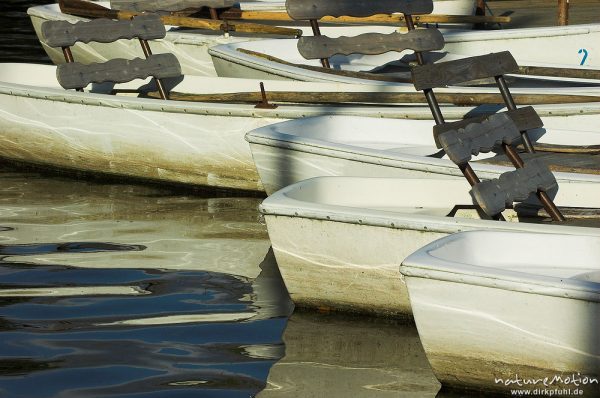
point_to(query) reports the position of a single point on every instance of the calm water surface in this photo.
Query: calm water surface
(121, 290)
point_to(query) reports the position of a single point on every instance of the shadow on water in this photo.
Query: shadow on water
(18, 42)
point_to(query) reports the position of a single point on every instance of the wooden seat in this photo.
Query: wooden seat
(322, 47)
(370, 43)
(525, 118)
(144, 27)
(498, 131)
(306, 10)
(463, 70)
(482, 137)
(76, 75)
(494, 196)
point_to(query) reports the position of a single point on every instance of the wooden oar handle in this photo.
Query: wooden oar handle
(380, 19)
(90, 10)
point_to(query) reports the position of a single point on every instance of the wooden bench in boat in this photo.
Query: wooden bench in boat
(144, 27)
(563, 162)
(307, 10)
(322, 47)
(494, 196)
(463, 70)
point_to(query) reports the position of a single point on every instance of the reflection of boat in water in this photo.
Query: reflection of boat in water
(346, 356)
(99, 304)
(147, 227)
(179, 232)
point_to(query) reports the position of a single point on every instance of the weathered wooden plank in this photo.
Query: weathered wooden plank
(317, 47)
(168, 5)
(76, 75)
(483, 137)
(577, 73)
(514, 186)
(65, 34)
(564, 162)
(317, 9)
(365, 98)
(463, 70)
(525, 118)
(582, 149)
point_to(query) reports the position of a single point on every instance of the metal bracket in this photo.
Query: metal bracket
(264, 103)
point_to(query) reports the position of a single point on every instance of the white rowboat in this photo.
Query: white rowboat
(339, 241)
(183, 142)
(495, 307)
(295, 150)
(573, 47)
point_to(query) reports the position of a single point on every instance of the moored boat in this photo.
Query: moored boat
(295, 150)
(185, 142)
(191, 46)
(280, 59)
(339, 241)
(509, 311)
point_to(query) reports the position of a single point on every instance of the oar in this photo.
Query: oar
(380, 19)
(90, 10)
(560, 72)
(464, 99)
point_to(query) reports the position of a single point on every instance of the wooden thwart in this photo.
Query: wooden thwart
(76, 75)
(477, 138)
(514, 186)
(65, 34)
(168, 5)
(463, 70)
(370, 43)
(317, 9)
(525, 118)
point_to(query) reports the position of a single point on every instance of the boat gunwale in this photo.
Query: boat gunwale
(282, 204)
(422, 264)
(268, 137)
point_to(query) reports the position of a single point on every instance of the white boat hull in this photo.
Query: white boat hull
(485, 329)
(353, 146)
(339, 241)
(182, 142)
(575, 48)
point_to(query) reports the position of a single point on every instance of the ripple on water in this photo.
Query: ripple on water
(84, 346)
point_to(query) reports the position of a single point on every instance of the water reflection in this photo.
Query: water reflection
(337, 355)
(218, 234)
(116, 290)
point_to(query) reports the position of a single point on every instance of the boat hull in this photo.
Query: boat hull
(339, 241)
(528, 46)
(520, 319)
(510, 335)
(296, 150)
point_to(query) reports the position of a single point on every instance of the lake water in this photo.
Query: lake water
(119, 290)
